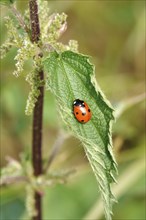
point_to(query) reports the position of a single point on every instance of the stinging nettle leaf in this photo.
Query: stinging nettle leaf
(71, 76)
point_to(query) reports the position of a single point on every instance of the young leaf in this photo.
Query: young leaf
(70, 77)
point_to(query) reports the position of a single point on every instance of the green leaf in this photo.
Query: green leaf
(71, 76)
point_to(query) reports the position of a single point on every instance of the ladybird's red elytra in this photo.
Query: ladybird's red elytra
(81, 111)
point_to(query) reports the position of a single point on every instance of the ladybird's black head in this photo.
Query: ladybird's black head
(78, 102)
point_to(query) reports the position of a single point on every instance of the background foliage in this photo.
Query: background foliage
(113, 33)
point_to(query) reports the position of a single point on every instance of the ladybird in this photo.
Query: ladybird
(81, 111)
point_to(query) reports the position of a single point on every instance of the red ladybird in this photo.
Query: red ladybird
(81, 111)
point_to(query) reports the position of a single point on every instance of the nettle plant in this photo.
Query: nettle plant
(69, 75)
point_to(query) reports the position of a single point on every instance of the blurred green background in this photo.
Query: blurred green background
(113, 34)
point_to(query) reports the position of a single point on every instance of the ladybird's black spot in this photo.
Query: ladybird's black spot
(82, 120)
(88, 110)
(77, 113)
(84, 113)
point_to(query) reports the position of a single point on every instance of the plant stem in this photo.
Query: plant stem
(38, 110)
(19, 18)
(55, 149)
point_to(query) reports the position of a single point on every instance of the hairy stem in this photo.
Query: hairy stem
(38, 110)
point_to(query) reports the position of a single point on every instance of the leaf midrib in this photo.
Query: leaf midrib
(92, 100)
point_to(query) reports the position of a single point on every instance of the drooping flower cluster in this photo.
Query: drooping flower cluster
(52, 27)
